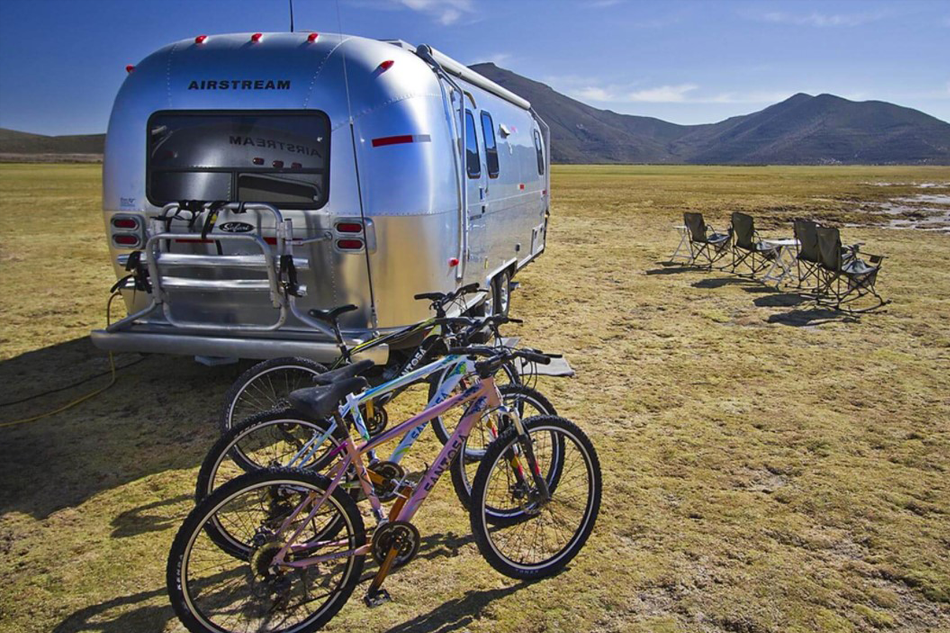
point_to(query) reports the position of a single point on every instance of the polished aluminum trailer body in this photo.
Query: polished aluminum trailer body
(361, 147)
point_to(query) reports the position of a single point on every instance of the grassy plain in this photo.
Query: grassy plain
(768, 467)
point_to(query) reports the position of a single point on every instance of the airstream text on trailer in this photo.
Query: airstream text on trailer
(249, 178)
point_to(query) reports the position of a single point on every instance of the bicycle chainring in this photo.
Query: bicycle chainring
(401, 534)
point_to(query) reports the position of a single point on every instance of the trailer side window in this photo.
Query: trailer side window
(540, 149)
(491, 149)
(472, 164)
(279, 158)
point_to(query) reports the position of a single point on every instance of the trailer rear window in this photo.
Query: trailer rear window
(279, 158)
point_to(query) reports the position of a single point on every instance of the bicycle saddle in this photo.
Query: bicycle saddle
(320, 402)
(330, 316)
(342, 373)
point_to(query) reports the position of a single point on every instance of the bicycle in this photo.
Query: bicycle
(266, 385)
(299, 438)
(304, 541)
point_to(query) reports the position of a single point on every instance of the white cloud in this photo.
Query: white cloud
(619, 94)
(602, 4)
(445, 12)
(821, 20)
(678, 93)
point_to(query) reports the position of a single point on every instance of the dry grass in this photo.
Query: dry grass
(768, 467)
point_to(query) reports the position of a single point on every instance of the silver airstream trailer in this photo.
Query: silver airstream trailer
(249, 178)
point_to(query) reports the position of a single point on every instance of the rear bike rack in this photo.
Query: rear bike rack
(282, 292)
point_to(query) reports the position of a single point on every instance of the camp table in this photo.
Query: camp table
(783, 263)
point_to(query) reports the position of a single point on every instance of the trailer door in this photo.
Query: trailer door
(475, 177)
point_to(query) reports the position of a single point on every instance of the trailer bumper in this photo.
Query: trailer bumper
(230, 346)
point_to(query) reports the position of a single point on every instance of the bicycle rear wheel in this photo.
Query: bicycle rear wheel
(548, 533)
(266, 440)
(211, 590)
(266, 386)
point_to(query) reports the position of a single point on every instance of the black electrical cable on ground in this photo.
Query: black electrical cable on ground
(70, 405)
(71, 385)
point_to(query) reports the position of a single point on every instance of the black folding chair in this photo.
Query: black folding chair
(704, 240)
(845, 278)
(747, 248)
(808, 260)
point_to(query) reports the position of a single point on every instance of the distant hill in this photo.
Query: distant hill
(803, 129)
(13, 142)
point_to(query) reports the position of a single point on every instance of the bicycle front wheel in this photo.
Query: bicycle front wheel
(211, 590)
(551, 528)
(527, 402)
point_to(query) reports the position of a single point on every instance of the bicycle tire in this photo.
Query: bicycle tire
(486, 534)
(177, 567)
(265, 398)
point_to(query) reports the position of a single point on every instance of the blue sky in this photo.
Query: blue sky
(62, 61)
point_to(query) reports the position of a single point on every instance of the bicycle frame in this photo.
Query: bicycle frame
(462, 368)
(483, 395)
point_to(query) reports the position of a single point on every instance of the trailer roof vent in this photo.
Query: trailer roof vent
(201, 39)
(313, 37)
(257, 37)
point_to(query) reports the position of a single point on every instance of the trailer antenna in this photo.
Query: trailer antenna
(291, 2)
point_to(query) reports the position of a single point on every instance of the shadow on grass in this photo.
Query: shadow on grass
(811, 317)
(145, 519)
(722, 282)
(671, 269)
(97, 617)
(159, 416)
(456, 615)
(781, 300)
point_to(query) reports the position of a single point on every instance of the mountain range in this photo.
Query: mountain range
(802, 130)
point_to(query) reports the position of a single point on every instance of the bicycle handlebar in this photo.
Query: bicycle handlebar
(441, 298)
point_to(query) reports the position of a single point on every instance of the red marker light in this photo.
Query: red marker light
(453, 262)
(257, 37)
(313, 37)
(201, 39)
(296, 165)
(386, 65)
(258, 161)
(349, 245)
(349, 227)
(278, 164)
(125, 223)
(126, 240)
(129, 68)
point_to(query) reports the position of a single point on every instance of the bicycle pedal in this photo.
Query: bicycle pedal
(381, 596)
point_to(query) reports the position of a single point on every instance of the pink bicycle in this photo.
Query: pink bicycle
(304, 541)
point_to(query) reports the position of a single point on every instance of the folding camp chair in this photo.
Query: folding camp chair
(845, 277)
(704, 241)
(808, 259)
(747, 248)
